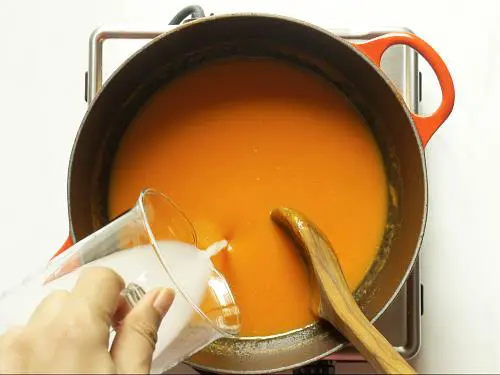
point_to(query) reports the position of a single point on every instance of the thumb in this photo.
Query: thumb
(134, 344)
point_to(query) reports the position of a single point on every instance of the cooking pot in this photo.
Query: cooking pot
(353, 68)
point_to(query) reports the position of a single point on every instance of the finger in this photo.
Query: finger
(50, 308)
(101, 288)
(133, 348)
(122, 310)
(10, 335)
(12, 346)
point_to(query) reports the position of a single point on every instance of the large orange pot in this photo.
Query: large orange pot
(354, 68)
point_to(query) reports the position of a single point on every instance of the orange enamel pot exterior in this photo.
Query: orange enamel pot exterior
(354, 68)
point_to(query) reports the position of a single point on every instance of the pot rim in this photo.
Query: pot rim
(316, 29)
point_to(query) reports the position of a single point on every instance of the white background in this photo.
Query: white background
(44, 49)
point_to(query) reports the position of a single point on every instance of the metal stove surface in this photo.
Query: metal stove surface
(111, 46)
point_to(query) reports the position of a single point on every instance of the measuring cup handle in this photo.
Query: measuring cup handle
(426, 124)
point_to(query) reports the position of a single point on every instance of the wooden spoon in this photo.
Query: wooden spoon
(337, 304)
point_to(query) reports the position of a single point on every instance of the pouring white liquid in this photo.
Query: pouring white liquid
(190, 267)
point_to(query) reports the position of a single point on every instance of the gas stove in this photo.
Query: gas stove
(400, 324)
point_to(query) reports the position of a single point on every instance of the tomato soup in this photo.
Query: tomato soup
(230, 141)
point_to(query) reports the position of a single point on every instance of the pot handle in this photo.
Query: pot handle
(428, 124)
(65, 246)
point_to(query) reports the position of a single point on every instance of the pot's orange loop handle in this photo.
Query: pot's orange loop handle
(65, 246)
(426, 125)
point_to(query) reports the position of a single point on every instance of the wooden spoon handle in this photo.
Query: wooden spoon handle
(337, 304)
(348, 318)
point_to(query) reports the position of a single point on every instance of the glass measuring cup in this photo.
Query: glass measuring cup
(152, 244)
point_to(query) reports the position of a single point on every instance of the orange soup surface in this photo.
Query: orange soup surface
(232, 140)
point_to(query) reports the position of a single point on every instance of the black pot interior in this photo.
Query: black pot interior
(262, 36)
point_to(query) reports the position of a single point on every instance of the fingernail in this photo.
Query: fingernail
(163, 301)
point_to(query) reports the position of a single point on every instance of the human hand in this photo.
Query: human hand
(69, 331)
